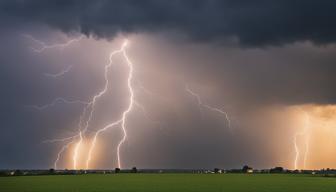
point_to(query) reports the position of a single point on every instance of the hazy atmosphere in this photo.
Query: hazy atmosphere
(192, 84)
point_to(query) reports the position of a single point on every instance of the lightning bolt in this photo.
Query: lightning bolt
(122, 120)
(201, 105)
(61, 152)
(76, 151)
(90, 108)
(305, 133)
(59, 74)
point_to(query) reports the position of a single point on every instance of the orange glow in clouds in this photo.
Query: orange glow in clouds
(316, 136)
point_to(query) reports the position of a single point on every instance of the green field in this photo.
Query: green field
(169, 183)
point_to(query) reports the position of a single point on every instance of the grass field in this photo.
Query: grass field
(169, 183)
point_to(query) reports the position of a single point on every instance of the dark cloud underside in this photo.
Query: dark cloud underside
(254, 23)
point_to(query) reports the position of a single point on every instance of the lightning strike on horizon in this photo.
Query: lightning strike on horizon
(307, 126)
(76, 150)
(60, 153)
(204, 105)
(304, 133)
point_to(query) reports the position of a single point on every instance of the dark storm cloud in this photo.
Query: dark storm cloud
(241, 79)
(254, 23)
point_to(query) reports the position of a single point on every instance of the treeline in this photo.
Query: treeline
(245, 169)
(4, 173)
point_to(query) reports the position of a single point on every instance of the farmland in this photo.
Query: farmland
(169, 182)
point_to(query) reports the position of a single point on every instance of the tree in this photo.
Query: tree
(134, 170)
(246, 169)
(277, 170)
(117, 170)
(51, 171)
(3, 173)
(18, 172)
(216, 170)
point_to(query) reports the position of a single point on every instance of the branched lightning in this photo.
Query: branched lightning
(304, 133)
(201, 105)
(44, 46)
(76, 140)
(122, 120)
(88, 112)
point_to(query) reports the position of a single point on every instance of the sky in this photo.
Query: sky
(215, 83)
